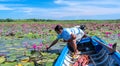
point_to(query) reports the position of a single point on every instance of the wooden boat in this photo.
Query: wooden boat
(99, 52)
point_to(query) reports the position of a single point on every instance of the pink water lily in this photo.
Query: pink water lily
(39, 48)
(108, 33)
(118, 34)
(1, 31)
(41, 44)
(34, 46)
(110, 45)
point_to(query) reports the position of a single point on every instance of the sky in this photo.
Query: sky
(60, 9)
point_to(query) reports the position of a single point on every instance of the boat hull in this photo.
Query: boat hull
(99, 54)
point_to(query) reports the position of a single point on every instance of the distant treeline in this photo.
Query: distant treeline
(49, 20)
(26, 20)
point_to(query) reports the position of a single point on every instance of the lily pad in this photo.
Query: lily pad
(8, 45)
(2, 59)
(11, 58)
(9, 64)
(25, 59)
(20, 49)
(49, 64)
(28, 63)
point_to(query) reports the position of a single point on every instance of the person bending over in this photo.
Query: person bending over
(69, 35)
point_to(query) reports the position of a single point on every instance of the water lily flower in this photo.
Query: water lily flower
(110, 45)
(0, 31)
(39, 48)
(41, 44)
(34, 46)
(108, 33)
(118, 34)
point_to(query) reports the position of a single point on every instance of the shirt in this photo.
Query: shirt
(66, 33)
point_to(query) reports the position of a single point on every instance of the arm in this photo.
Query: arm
(53, 43)
(73, 37)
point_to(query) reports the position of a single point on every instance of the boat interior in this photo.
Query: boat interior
(98, 55)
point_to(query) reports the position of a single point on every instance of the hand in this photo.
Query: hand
(71, 40)
(47, 48)
(65, 41)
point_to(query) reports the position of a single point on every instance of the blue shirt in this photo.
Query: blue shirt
(66, 33)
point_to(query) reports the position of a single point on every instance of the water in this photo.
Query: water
(13, 48)
(9, 45)
(16, 46)
(57, 48)
(113, 39)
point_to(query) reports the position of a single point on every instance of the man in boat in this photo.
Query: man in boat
(69, 35)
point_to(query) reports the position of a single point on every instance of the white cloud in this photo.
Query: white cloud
(70, 8)
(27, 10)
(89, 2)
(68, 11)
(64, 2)
(88, 8)
(2, 7)
(10, 0)
(58, 1)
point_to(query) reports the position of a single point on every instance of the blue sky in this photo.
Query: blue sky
(60, 9)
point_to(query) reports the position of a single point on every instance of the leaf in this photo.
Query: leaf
(2, 59)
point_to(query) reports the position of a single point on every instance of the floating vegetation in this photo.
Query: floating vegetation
(25, 44)
(2, 59)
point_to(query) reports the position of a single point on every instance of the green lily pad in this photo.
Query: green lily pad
(24, 59)
(3, 50)
(16, 44)
(28, 64)
(9, 64)
(8, 45)
(49, 64)
(45, 54)
(11, 48)
(49, 55)
(11, 58)
(20, 49)
(2, 59)
(28, 53)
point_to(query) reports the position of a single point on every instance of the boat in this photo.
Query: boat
(100, 54)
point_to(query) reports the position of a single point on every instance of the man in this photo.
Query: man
(69, 35)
